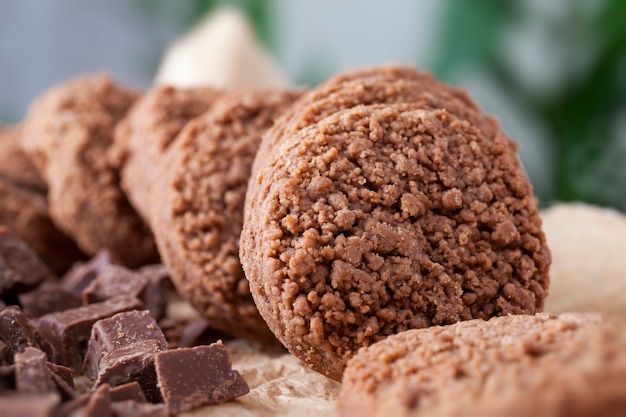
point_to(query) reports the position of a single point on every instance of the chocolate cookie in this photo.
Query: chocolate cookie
(385, 218)
(573, 365)
(392, 84)
(143, 137)
(198, 211)
(24, 210)
(68, 133)
(23, 206)
(15, 165)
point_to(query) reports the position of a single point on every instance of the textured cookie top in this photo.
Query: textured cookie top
(199, 211)
(392, 84)
(384, 218)
(69, 132)
(144, 136)
(543, 365)
(15, 165)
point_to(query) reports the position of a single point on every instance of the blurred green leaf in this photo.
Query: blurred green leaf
(590, 154)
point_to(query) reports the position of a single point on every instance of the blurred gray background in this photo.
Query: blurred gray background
(552, 71)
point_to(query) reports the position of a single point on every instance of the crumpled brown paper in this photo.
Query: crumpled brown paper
(280, 385)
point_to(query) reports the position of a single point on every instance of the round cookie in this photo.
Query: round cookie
(391, 84)
(25, 212)
(68, 134)
(198, 208)
(15, 165)
(570, 365)
(146, 133)
(384, 218)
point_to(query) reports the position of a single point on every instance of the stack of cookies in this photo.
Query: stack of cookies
(379, 226)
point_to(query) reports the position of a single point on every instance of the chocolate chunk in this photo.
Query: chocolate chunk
(31, 372)
(62, 372)
(4, 351)
(156, 292)
(131, 408)
(49, 297)
(99, 404)
(194, 377)
(18, 333)
(114, 280)
(199, 332)
(117, 332)
(128, 392)
(77, 278)
(20, 268)
(69, 330)
(63, 380)
(7, 378)
(21, 404)
(132, 363)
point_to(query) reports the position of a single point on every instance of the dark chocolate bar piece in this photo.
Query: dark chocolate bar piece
(199, 332)
(20, 268)
(130, 391)
(7, 378)
(131, 408)
(80, 275)
(21, 404)
(63, 380)
(157, 291)
(191, 378)
(69, 330)
(98, 404)
(17, 333)
(49, 297)
(121, 330)
(31, 372)
(4, 352)
(132, 363)
(114, 280)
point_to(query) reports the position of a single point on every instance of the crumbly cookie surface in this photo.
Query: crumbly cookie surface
(68, 134)
(385, 218)
(381, 85)
(199, 210)
(15, 165)
(567, 365)
(146, 133)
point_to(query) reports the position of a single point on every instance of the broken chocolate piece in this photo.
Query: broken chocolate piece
(21, 404)
(4, 351)
(31, 372)
(63, 380)
(190, 378)
(63, 372)
(132, 363)
(98, 404)
(114, 280)
(131, 408)
(18, 333)
(128, 392)
(157, 291)
(199, 332)
(7, 378)
(69, 330)
(20, 268)
(80, 275)
(119, 331)
(49, 297)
